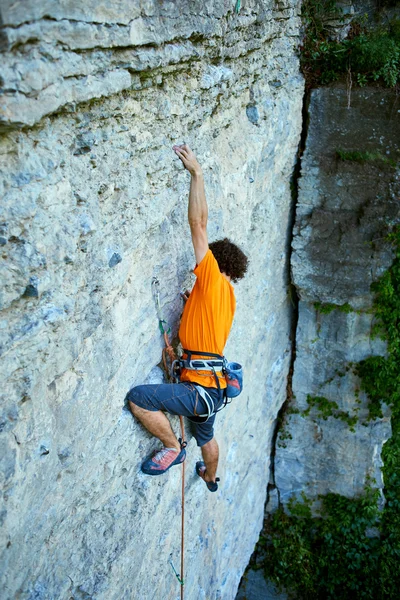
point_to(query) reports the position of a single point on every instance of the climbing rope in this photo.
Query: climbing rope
(168, 358)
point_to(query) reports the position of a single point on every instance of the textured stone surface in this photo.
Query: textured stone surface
(93, 207)
(345, 207)
(344, 211)
(65, 58)
(254, 587)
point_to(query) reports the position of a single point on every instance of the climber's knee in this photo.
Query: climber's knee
(134, 408)
(141, 399)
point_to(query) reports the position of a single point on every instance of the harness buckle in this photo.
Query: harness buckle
(203, 365)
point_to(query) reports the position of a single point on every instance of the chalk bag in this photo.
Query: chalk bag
(234, 379)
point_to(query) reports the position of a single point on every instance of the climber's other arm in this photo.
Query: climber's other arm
(197, 210)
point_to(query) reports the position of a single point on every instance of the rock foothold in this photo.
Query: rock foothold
(115, 259)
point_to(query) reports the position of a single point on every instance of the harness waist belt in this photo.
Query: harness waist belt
(207, 361)
(202, 364)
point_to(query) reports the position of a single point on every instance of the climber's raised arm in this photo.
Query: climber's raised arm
(197, 210)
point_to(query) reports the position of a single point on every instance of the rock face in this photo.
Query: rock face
(348, 199)
(93, 207)
(254, 587)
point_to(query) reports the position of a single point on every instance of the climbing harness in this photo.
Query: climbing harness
(168, 357)
(232, 372)
(210, 363)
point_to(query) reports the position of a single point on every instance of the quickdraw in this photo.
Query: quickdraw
(168, 353)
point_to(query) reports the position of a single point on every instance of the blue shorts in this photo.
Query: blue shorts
(179, 399)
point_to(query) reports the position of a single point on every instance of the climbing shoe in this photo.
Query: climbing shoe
(200, 470)
(164, 459)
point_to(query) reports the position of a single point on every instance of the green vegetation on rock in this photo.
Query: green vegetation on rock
(329, 408)
(380, 376)
(328, 307)
(336, 555)
(349, 549)
(364, 156)
(366, 55)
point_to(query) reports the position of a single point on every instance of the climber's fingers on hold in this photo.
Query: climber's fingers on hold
(188, 152)
(178, 151)
(184, 158)
(185, 295)
(183, 150)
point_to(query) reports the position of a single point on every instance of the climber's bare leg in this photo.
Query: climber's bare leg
(210, 452)
(157, 424)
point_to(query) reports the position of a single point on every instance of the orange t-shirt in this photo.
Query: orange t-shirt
(207, 317)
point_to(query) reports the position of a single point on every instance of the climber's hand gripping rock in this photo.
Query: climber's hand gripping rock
(188, 158)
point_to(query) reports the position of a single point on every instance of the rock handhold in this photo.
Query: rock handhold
(84, 143)
(252, 114)
(115, 259)
(44, 451)
(32, 289)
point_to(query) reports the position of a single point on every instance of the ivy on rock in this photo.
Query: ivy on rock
(347, 548)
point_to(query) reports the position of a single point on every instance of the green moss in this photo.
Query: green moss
(364, 156)
(326, 307)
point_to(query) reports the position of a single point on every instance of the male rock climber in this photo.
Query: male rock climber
(205, 326)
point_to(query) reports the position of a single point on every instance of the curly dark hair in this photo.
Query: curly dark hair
(231, 260)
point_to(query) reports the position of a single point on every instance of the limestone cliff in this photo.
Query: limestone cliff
(348, 201)
(93, 95)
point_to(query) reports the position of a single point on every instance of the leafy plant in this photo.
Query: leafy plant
(380, 376)
(370, 54)
(331, 555)
(329, 408)
(349, 549)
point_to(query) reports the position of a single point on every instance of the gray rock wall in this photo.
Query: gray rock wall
(345, 209)
(93, 207)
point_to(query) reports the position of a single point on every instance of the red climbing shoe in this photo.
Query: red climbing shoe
(163, 460)
(200, 470)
